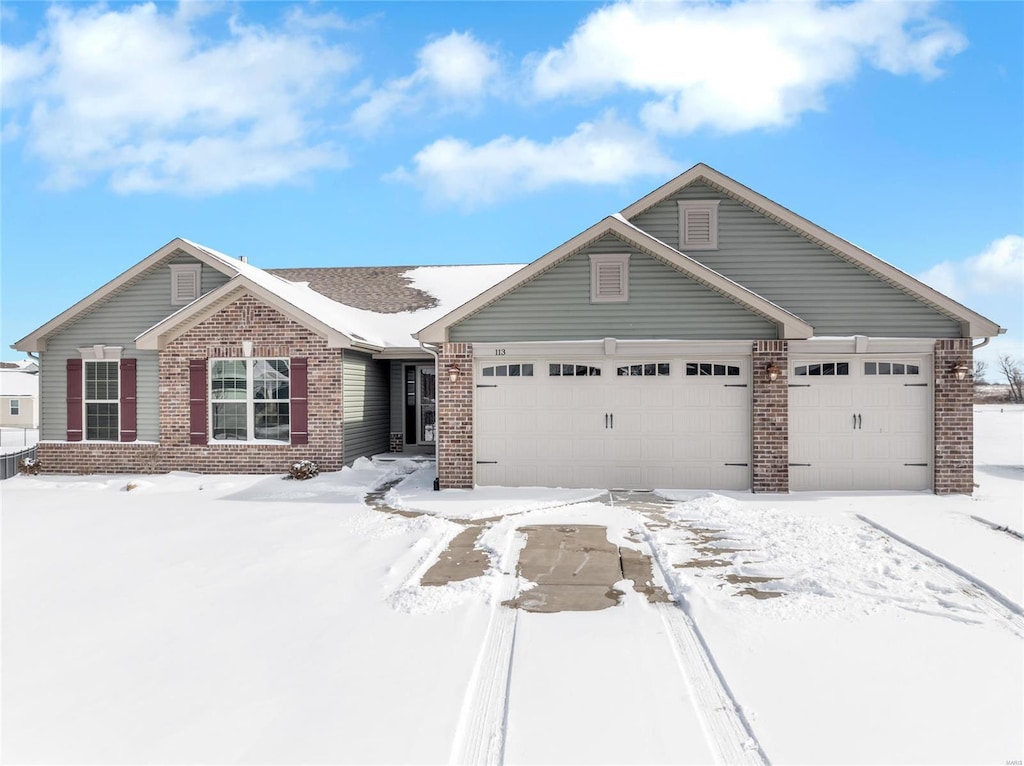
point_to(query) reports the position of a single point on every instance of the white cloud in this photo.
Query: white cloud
(742, 65)
(999, 269)
(453, 71)
(140, 97)
(596, 153)
(991, 283)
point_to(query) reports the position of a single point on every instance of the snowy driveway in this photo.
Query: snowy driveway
(229, 619)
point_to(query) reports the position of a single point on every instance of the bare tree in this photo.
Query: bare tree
(1010, 367)
(980, 368)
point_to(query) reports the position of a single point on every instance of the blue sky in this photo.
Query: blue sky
(423, 133)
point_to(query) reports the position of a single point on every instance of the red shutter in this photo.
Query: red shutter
(197, 401)
(129, 407)
(300, 406)
(74, 400)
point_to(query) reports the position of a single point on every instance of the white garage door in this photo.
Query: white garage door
(670, 422)
(860, 423)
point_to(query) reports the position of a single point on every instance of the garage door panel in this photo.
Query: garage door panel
(858, 431)
(662, 431)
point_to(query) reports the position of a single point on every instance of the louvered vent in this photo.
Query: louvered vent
(184, 283)
(609, 280)
(698, 223)
(609, 277)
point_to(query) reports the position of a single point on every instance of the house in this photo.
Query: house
(19, 395)
(703, 337)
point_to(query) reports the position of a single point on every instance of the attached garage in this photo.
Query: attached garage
(860, 422)
(657, 421)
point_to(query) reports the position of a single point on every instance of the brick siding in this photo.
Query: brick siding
(455, 418)
(770, 448)
(396, 441)
(954, 418)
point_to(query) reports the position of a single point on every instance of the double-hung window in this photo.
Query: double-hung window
(102, 385)
(249, 400)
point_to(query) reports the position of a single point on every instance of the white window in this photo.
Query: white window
(102, 406)
(823, 368)
(573, 370)
(184, 283)
(698, 225)
(891, 368)
(648, 369)
(15, 407)
(609, 277)
(509, 371)
(249, 400)
(715, 369)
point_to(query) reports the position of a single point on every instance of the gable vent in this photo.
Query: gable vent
(184, 283)
(609, 277)
(698, 225)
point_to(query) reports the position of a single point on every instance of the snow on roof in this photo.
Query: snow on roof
(449, 286)
(18, 382)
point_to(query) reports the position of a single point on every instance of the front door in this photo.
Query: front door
(426, 405)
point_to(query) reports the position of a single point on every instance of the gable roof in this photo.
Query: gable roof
(414, 294)
(974, 324)
(790, 325)
(36, 340)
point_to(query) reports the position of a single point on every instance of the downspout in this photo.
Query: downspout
(981, 345)
(433, 351)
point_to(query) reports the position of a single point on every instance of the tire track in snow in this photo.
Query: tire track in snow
(727, 731)
(994, 604)
(480, 734)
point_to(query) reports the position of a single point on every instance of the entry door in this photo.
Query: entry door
(860, 423)
(426, 405)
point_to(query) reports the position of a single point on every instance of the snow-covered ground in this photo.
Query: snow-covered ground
(224, 619)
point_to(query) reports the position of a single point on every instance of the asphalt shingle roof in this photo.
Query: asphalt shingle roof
(381, 289)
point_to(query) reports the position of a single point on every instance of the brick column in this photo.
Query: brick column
(396, 441)
(771, 417)
(455, 417)
(954, 418)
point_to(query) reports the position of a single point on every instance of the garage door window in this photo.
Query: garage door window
(714, 369)
(648, 369)
(823, 368)
(891, 368)
(508, 371)
(572, 370)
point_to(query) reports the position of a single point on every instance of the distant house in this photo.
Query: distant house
(704, 337)
(19, 395)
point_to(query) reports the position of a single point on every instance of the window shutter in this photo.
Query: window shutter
(299, 385)
(129, 423)
(74, 400)
(197, 401)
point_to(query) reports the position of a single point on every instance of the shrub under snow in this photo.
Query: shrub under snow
(304, 469)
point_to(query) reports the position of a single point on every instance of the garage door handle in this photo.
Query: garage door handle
(855, 421)
(606, 420)
(860, 423)
(612, 418)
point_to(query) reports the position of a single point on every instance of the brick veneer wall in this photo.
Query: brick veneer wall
(770, 417)
(954, 418)
(93, 457)
(221, 336)
(455, 418)
(396, 441)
